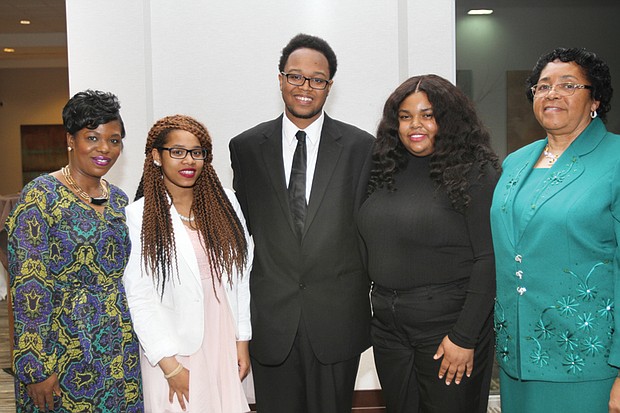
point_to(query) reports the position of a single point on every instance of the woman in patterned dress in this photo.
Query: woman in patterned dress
(75, 349)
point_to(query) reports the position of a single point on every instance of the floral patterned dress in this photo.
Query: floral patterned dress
(66, 263)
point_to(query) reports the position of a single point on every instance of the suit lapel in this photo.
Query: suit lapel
(329, 152)
(558, 177)
(566, 170)
(271, 150)
(513, 186)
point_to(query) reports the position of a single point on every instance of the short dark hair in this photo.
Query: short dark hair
(594, 68)
(306, 41)
(89, 109)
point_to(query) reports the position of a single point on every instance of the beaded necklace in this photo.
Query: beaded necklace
(187, 219)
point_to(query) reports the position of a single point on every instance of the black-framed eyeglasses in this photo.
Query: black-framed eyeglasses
(296, 79)
(198, 154)
(562, 89)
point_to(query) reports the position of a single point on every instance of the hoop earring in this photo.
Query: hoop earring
(593, 114)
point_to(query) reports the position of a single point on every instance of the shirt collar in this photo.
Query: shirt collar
(313, 131)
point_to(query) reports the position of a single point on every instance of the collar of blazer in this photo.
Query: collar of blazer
(590, 138)
(329, 152)
(565, 170)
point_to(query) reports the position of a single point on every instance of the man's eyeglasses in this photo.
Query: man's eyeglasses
(296, 79)
(562, 89)
(199, 154)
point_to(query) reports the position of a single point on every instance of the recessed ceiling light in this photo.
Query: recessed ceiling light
(8, 50)
(24, 21)
(480, 11)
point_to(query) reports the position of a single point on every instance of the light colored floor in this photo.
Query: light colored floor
(7, 396)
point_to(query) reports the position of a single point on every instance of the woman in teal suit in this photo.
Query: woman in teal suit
(555, 220)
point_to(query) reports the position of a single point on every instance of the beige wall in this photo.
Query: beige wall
(28, 97)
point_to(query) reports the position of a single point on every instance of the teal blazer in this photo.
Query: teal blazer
(558, 262)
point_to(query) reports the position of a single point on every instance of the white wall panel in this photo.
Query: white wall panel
(217, 61)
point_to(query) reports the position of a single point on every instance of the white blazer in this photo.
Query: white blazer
(174, 324)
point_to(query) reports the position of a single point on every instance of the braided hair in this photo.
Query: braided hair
(221, 232)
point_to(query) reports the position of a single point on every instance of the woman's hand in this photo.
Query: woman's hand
(614, 397)
(243, 358)
(42, 393)
(456, 361)
(178, 384)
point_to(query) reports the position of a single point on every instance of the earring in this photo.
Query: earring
(69, 148)
(593, 114)
(157, 163)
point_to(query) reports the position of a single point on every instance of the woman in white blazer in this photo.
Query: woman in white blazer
(187, 279)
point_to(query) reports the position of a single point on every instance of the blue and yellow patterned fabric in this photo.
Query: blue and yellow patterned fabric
(66, 263)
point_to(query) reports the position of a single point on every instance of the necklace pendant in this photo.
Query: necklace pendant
(551, 158)
(98, 201)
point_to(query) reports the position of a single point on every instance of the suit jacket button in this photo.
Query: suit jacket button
(302, 286)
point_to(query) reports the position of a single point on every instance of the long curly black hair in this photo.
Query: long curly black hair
(462, 142)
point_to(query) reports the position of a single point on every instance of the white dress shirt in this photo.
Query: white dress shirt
(289, 143)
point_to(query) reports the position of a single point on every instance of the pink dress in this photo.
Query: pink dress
(214, 385)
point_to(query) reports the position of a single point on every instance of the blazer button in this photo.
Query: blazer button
(519, 274)
(518, 258)
(521, 290)
(302, 286)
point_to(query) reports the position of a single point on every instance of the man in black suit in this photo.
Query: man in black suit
(300, 179)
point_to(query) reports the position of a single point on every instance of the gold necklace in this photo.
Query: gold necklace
(66, 172)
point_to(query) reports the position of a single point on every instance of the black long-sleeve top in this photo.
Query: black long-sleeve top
(414, 238)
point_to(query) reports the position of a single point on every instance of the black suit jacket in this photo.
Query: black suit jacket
(324, 277)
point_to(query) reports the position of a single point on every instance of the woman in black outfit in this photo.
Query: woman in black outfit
(430, 256)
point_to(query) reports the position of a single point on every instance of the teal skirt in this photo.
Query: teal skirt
(518, 396)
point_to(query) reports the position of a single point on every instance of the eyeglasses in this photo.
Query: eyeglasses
(181, 153)
(562, 89)
(296, 79)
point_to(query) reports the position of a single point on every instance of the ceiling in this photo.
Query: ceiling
(43, 42)
(533, 4)
(46, 16)
(45, 38)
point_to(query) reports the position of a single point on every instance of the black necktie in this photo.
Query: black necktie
(297, 183)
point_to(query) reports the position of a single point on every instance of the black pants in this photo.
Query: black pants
(406, 329)
(302, 384)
